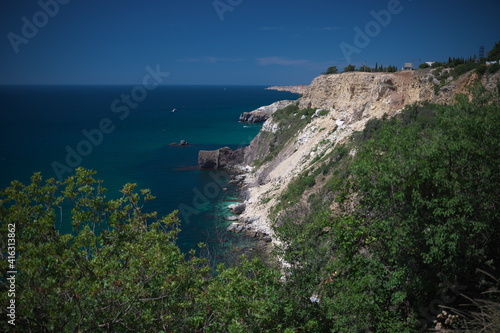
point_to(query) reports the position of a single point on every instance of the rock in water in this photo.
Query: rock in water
(236, 227)
(237, 208)
(220, 158)
(182, 143)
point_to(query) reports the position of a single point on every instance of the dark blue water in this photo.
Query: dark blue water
(53, 129)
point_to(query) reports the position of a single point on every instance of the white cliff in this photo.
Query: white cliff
(342, 104)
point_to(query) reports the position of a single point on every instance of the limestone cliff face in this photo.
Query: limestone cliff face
(349, 101)
(342, 104)
(354, 96)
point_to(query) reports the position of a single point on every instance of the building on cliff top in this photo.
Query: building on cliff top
(408, 66)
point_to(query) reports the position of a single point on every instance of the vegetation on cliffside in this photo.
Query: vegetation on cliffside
(415, 226)
(393, 229)
(425, 224)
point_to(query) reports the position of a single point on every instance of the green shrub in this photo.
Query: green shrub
(349, 68)
(481, 69)
(323, 113)
(425, 186)
(290, 121)
(332, 70)
(462, 69)
(494, 53)
(365, 68)
(493, 68)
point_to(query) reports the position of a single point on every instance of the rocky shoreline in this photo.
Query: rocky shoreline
(343, 104)
(263, 113)
(246, 219)
(251, 226)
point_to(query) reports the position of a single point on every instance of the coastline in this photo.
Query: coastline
(338, 113)
(252, 228)
(250, 221)
(245, 216)
(297, 89)
(342, 104)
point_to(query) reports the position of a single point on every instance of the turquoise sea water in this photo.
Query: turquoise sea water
(41, 125)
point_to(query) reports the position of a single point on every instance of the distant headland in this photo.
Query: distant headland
(301, 89)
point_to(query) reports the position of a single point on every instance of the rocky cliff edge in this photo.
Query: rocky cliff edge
(338, 105)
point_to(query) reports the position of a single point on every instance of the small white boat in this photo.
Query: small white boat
(174, 110)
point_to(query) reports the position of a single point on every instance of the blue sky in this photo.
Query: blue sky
(239, 42)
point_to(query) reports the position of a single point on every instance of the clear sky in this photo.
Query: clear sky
(231, 41)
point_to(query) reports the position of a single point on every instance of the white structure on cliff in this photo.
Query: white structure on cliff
(408, 66)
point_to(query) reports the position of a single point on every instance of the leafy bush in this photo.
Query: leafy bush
(493, 68)
(349, 68)
(130, 277)
(418, 210)
(494, 53)
(481, 69)
(372, 126)
(427, 184)
(365, 68)
(323, 113)
(462, 69)
(411, 213)
(332, 70)
(296, 189)
(290, 120)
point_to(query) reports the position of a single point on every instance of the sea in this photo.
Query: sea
(126, 134)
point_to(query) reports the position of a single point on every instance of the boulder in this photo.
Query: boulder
(254, 117)
(237, 208)
(236, 227)
(220, 158)
(237, 179)
(208, 159)
(267, 239)
(250, 220)
(263, 113)
(181, 143)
